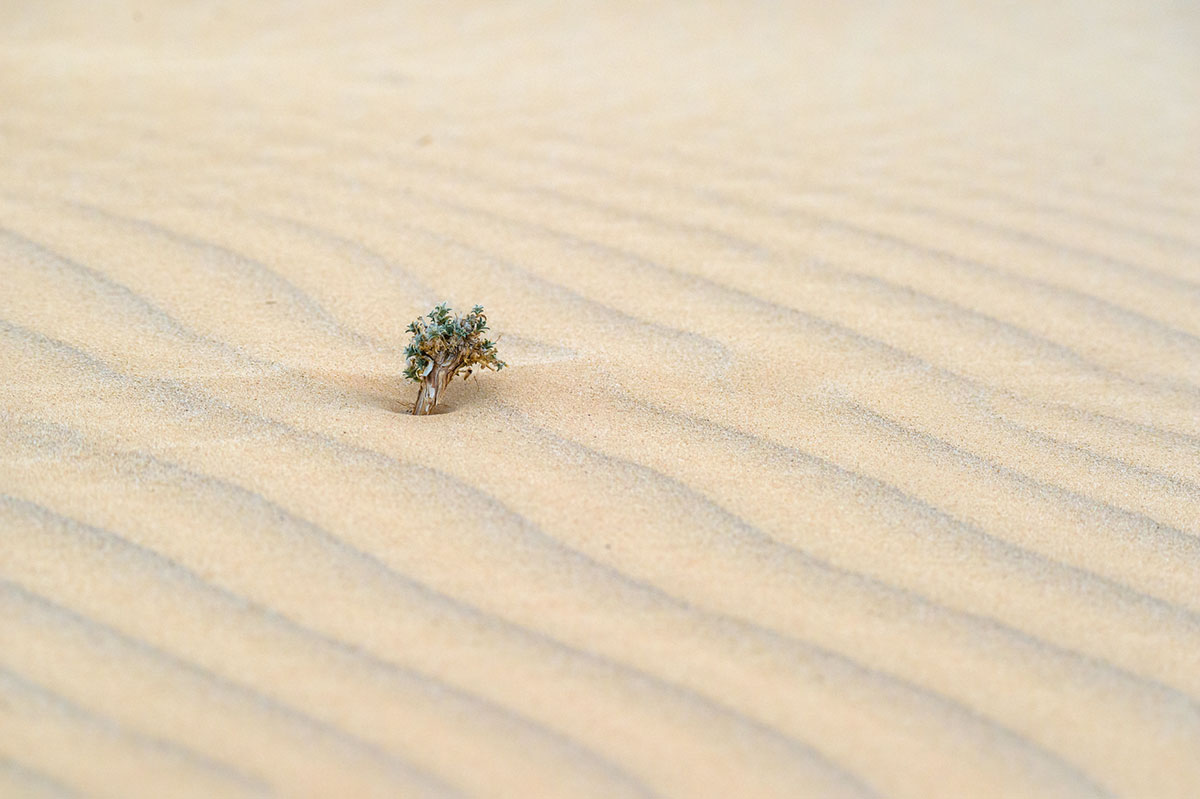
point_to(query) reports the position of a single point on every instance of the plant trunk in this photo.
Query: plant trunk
(431, 389)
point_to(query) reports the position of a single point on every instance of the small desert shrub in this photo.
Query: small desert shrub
(445, 344)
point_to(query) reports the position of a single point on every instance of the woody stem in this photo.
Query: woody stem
(432, 386)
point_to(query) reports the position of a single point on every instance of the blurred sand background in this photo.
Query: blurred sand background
(850, 444)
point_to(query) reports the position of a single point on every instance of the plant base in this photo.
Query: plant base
(431, 390)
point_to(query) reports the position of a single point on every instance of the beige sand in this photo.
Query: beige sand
(850, 444)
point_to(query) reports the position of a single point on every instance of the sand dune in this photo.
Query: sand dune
(850, 443)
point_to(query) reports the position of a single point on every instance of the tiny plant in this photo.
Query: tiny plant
(445, 344)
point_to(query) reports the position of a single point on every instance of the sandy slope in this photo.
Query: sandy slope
(850, 444)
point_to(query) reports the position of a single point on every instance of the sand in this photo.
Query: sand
(849, 444)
